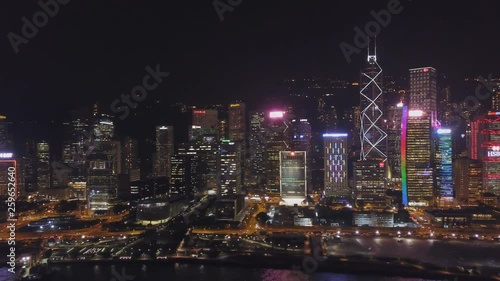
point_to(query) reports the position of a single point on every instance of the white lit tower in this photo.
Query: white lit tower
(373, 138)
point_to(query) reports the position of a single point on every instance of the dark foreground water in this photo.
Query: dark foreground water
(192, 273)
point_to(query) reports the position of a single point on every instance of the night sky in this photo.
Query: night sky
(95, 50)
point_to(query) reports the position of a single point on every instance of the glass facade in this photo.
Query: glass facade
(419, 156)
(444, 167)
(335, 159)
(369, 177)
(293, 171)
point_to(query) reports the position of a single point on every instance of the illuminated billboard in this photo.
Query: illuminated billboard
(276, 114)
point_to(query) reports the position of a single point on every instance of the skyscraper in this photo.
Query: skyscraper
(293, 171)
(130, 158)
(237, 122)
(393, 126)
(164, 150)
(255, 171)
(104, 165)
(370, 186)
(423, 91)
(488, 150)
(336, 151)
(417, 159)
(370, 170)
(5, 142)
(229, 169)
(444, 168)
(373, 137)
(43, 174)
(277, 139)
(205, 122)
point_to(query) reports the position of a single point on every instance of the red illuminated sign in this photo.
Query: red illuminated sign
(426, 69)
(381, 164)
(200, 112)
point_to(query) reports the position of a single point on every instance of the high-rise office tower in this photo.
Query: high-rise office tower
(130, 158)
(417, 159)
(29, 166)
(369, 182)
(372, 134)
(277, 131)
(237, 122)
(205, 122)
(43, 172)
(180, 175)
(201, 165)
(293, 171)
(101, 182)
(164, 150)
(301, 136)
(229, 169)
(393, 125)
(488, 150)
(336, 150)
(444, 167)
(370, 185)
(104, 165)
(467, 181)
(77, 144)
(423, 91)
(255, 171)
(5, 142)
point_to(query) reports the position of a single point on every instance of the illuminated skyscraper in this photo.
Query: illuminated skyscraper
(293, 170)
(416, 159)
(489, 150)
(104, 165)
(423, 91)
(301, 141)
(5, 142)
(130, 158)
(205, 122)
(393, 125)
(370, 170)
(237, 122)
(255, 170)
(164, 150)
(43, 174)
(444, 168)
(230, 169)
(373, 137)
(336, 151)
(277, 139)
(370, 183)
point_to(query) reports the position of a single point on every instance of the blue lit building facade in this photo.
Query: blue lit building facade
(444, 167)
